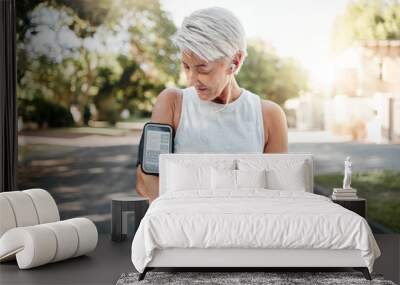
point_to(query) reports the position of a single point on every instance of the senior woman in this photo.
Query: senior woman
(214, 114)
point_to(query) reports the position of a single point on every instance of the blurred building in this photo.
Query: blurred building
(365, 96)
(305, 112)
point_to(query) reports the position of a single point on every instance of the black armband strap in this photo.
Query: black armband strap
(140, 152)
(141, 148)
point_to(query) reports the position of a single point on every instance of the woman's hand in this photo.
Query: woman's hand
(147, 185)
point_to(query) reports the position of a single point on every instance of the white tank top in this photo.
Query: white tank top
(238, 128)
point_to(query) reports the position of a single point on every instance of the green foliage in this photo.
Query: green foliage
(380, 188)
(64, 80)
(366, 20)
(78, 75)
(94, 13)
(44, 113)
(111, 113)
(270, 76)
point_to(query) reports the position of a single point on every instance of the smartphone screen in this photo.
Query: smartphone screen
(158, 138)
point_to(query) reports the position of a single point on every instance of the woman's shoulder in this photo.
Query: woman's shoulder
(269, 108)
(274, 121)
(168, 105)
(170, 97)
(272, 114)
(170, 94)
(274, 118)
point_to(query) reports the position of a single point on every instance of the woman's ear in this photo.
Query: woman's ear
(238, 59)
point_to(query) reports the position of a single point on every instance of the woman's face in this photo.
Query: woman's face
(209, 78)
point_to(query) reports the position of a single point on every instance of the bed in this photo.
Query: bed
(247, 210)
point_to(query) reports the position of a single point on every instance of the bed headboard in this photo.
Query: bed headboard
(211, 158)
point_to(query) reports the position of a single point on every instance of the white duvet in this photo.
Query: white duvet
(251, 218)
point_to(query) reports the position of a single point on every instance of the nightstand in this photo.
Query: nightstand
(358, 206)
(121, 210)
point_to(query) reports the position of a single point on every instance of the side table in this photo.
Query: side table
(121, 208)
(358, 206)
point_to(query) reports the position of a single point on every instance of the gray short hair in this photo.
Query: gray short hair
(211, 33)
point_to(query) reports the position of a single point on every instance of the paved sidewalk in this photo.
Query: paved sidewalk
(133, 136)
(85, 141)
(295, 136)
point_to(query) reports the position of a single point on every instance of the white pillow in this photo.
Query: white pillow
(183, 174)
(281, 175)
(251, 178)
(223, 179)
(183, 177)
(230, 179)
(293, 179)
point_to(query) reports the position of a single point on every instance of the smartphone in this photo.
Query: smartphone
(158, 138)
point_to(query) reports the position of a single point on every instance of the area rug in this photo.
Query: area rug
(229, 278)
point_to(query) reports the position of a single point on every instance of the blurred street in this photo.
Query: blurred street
(83, 171)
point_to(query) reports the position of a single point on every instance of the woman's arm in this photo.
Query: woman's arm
(163, 113)
(275, 128)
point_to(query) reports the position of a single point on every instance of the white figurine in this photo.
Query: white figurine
(347, 173)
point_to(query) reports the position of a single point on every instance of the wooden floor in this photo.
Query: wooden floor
(111, 259)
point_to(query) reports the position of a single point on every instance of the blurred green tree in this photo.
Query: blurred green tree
(270, 76)
(365, 20)
(63, 52)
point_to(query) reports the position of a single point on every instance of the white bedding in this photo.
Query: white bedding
(250, 218)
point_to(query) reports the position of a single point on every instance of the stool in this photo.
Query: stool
(120, 209)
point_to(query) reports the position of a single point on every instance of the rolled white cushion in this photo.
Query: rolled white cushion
(40, 244)
(67, 240)
(7, 218)
(33, 246)
(23, 208)
(87, 235)
(45, 205)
